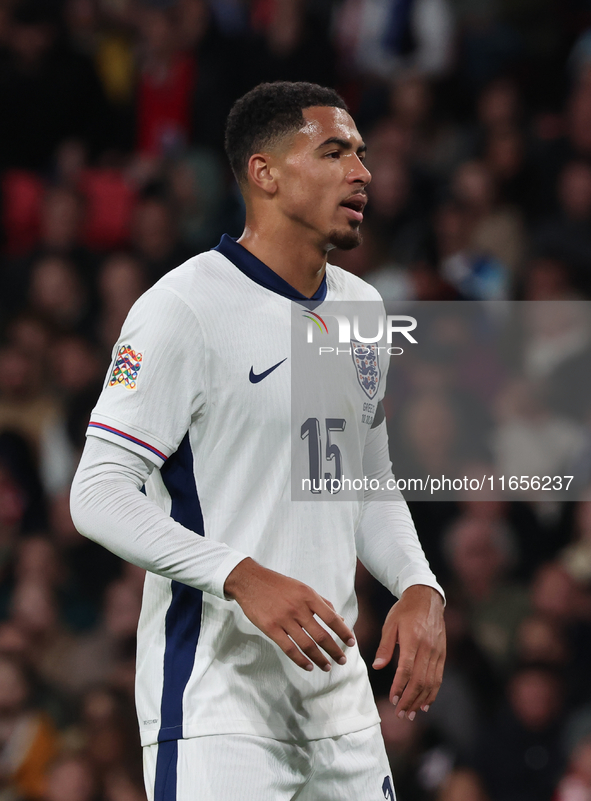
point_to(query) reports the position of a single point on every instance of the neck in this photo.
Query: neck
(288, 253)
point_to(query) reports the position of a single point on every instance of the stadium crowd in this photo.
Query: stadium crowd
(477, 116)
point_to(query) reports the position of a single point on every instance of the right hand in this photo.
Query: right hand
(284, 609)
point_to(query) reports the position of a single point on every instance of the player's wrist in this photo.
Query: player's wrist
(423, 591)
(239, 578)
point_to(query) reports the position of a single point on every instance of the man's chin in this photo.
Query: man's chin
(345, 240)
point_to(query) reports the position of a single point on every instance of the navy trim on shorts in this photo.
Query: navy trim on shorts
(166, 776)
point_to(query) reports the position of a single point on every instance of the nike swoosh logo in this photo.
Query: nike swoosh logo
(254, 378)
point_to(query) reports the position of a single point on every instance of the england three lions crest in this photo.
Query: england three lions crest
(365, 359)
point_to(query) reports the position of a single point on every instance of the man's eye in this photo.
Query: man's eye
(334, 154)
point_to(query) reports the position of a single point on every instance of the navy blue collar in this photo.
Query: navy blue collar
(257, 271)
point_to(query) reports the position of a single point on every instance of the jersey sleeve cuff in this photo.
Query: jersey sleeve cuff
(227, 566)
(427, 579)
(133, 439)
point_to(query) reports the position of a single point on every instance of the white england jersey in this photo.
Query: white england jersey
(200, 385)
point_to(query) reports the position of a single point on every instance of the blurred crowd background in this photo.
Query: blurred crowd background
(477, 115)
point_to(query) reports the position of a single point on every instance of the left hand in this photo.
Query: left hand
(416, 623)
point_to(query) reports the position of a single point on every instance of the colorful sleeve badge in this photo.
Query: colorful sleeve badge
(125, 371)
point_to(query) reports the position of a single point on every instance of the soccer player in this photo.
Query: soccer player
(249, 682)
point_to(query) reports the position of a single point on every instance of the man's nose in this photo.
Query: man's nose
(359, 173)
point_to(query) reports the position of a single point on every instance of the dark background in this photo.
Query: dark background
(477, 115)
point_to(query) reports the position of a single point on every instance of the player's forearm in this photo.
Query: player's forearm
(108, 507)
(388, 546)
(386, 539)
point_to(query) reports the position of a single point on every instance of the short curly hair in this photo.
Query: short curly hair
(266, 114)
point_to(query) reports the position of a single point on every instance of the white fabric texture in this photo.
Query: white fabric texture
(108, 507)
(169, 390)
(178, 396)
(387, 541)
(219, 768)
(110, 475)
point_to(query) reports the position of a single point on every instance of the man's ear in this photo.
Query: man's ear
(261, 173)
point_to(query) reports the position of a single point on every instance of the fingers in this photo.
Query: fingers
(410, 684)
(302, 637)
(290, 649)
(402, 677)
(328, 603)
(386, 647)
(427, 691)
(423, 682)
(416, 621)
(306, 644)
(298, 643)
(321, 636)
(333, 621)
(284, 609)
(424, 705)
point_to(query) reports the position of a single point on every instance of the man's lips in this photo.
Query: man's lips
(354, 206)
